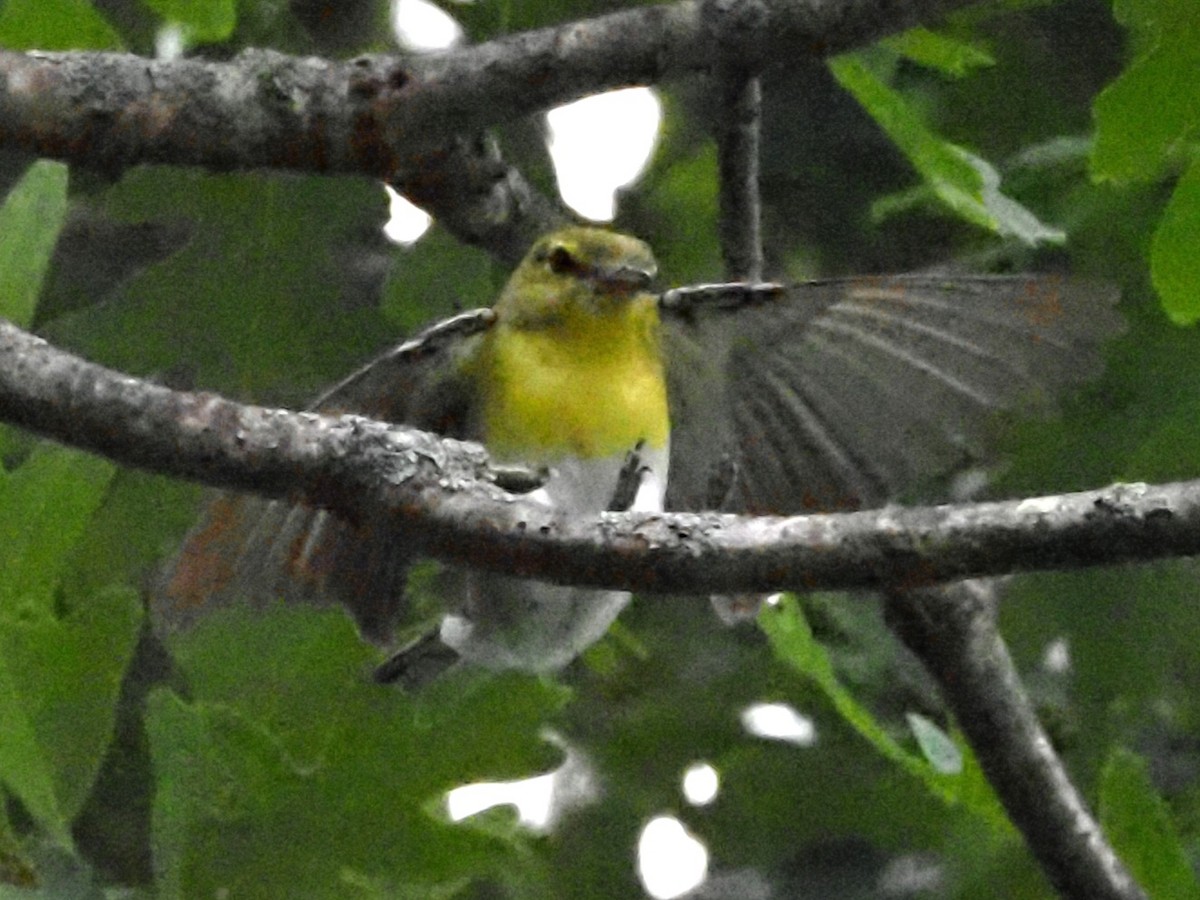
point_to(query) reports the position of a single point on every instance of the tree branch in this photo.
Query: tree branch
(443, 495)
(479, 198)
(737, 134)
(740, 218)
(404, 120)
(376, 115)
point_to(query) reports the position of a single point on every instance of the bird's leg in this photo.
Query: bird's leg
(418, 664)
(629, 480)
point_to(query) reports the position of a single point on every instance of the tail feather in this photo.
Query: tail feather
(261, 551)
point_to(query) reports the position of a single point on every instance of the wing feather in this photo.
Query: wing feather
(867, 385)
(819, 439)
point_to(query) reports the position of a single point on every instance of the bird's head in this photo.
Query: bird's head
(575, 272)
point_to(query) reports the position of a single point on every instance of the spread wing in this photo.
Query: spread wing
(838, 394)
(247, 548)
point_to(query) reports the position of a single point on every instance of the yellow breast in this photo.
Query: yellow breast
(588, 386)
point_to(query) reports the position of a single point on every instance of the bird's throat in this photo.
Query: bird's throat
(588, 387)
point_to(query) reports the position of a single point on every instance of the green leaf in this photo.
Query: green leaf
(141, 520)
(965, 183)
(45, 508)
(1145, 117)
(1138, 824)
(55, 25)
(793, 642)
(23, 768)
(259, 302)
(292, 767)
(59, 683)
(202, 21)
(937, 746)
(938, 51)
(945, 169)
(30, 220)
(1175, 252)
(1009, 218)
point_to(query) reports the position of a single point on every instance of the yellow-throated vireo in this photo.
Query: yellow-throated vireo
(822, 395)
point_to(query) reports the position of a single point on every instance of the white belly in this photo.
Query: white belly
(514, 623)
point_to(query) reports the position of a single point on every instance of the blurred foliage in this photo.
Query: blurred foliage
(30, 221)
(284, 740)
(257, 757)
(55, 25)
(198, 21)
(1139, 825)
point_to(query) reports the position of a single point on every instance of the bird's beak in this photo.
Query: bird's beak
(623, 279)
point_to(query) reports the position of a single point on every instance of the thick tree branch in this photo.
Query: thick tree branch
(404, 120)
(377, 115)
(204, 437)
(444, 496)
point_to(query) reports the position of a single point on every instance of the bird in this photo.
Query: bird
(763, 398)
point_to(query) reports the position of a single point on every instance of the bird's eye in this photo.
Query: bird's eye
(560, 260)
